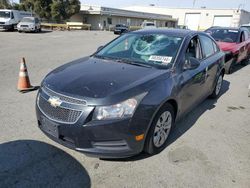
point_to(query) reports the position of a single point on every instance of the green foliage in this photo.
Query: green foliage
(57, 10)
(4, 4)
(64, 9)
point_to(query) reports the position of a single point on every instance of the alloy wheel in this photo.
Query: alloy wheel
(162, 129)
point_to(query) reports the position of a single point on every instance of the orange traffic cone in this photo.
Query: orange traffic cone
(24, 81)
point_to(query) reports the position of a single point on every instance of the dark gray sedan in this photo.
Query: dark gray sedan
(126, 97)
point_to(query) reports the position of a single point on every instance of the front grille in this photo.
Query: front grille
(24, 26)
(2, 23)
(63, 97)
(58, 113)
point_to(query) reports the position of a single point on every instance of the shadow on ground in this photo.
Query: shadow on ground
(44, 31)
(185, 124)
(239, 66)
(29, 163)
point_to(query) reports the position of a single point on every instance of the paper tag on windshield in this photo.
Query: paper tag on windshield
(163, 59)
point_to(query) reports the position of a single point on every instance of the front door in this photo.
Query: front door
(191, 81)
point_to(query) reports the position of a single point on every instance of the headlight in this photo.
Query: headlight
(118, 111)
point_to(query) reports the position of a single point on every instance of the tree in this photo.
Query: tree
(58, 10)
(5, 4)
(63, 9)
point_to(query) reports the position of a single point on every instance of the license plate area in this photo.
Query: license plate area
(49, 127)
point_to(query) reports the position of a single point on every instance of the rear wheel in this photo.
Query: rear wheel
(218, 87)
(160, 129)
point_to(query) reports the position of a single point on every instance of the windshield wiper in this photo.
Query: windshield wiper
(123, 60)
(101, 57)
(132, 62)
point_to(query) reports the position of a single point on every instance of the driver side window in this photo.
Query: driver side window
(193, 49)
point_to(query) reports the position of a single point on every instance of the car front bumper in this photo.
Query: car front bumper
(28, 29)
(6, 26)
(105, 139)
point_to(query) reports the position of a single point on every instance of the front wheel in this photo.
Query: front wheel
(217, 88)
(159, 131)
(245, 62)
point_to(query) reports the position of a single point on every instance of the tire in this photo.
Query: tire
(12, 28)
(217, 88)
(230, 69)
(245, 62)
(159, 131)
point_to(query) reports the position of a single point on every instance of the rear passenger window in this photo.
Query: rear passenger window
(216, 48)
(207, 46)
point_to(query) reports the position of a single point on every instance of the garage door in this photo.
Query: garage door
(224, 21)
(192, 20)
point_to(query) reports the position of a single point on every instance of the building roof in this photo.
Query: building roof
(99, 10)
(181, 8)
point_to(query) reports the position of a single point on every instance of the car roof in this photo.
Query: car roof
(171, 32)
(232, 28)
(32, 17)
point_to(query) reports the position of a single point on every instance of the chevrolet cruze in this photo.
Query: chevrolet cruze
(126, 97)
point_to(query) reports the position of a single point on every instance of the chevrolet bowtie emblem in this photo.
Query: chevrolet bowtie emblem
(55, 101)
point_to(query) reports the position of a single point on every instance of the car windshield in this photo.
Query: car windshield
(150, 24)
(120, 25)
(31, 20)
(4, 14)
(224, 35)
(158, 50)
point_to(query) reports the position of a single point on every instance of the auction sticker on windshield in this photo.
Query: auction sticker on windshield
(163, 59)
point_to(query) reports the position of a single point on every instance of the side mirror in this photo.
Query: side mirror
(191, 63)
(99, 48)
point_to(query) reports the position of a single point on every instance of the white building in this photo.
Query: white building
(200, 18)
(103, 18)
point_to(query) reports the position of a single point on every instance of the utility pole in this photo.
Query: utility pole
(194, 3)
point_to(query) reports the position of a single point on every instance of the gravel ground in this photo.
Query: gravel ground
(208, 148)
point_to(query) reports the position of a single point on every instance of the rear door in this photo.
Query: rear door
(242, 47)
(211, 60)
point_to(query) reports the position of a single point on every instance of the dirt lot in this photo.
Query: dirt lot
(208, 148)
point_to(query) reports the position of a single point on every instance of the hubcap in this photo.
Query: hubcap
(218, 85)
(162, 129)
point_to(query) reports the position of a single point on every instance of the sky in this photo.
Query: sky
(243, 4)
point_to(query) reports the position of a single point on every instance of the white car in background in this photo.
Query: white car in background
(29, 24)
(148, 25)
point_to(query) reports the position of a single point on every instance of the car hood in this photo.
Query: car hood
(120, 28)
(26, 23)
(227, 46)
(96, 79)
